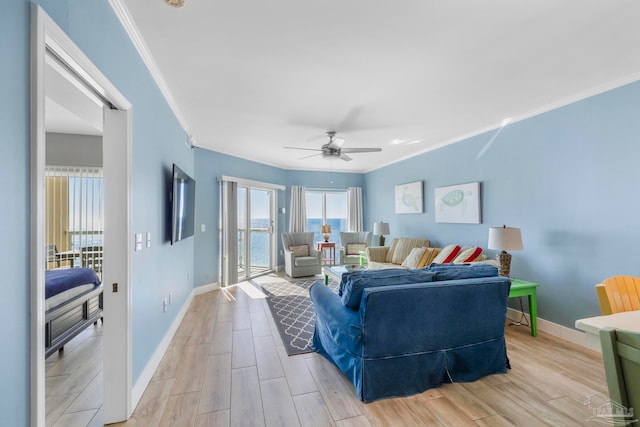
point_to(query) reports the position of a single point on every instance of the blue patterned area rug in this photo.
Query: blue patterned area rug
(293, 310)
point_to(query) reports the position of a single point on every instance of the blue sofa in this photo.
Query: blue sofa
(396, 332)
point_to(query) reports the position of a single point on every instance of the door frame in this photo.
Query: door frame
(243, 182)
(46, 34)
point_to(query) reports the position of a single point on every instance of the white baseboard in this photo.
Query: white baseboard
(206, 288)
(559, 331)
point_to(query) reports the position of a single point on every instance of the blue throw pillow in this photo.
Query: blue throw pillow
(352, 285)
(461, 271)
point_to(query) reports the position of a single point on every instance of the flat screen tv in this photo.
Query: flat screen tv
(183, 201)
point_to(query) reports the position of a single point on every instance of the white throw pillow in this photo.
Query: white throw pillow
(412, 260)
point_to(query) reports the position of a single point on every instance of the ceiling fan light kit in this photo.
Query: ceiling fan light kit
(175, 3)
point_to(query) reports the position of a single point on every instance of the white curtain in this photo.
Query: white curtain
(354, 214)
(229, 233)
(298, 209)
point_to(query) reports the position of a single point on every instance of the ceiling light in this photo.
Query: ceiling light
(415, 141)
(398, 141)
(175, 3)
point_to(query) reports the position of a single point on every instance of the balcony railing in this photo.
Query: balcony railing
(259, 251)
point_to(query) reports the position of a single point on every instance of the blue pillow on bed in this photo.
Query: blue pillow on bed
(352, 284)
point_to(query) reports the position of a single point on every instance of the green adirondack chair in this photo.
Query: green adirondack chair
(621, 355)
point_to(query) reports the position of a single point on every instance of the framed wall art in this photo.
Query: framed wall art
(409, 198)
(458, 203)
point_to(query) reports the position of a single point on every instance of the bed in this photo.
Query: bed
(73, 301)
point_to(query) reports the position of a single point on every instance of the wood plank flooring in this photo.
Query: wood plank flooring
(226, 366)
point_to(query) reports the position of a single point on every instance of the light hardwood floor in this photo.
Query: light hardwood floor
(226, 365)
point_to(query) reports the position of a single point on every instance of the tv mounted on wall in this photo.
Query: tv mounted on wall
(183, 200)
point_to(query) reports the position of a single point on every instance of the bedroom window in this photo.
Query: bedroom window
(74, 212)
(326, 207)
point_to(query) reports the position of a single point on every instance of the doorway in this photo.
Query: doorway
(50, 43)
(256, 225)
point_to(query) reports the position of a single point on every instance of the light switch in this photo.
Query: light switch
(138, 241)
(203, 228)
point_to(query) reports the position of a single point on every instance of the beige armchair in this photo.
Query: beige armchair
(351, 243)
(300, 255)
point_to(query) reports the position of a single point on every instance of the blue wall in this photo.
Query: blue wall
(210, 166)
(14, 219)
(567, 178)
(158, 141)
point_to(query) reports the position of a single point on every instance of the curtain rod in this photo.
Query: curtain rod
(252, 183)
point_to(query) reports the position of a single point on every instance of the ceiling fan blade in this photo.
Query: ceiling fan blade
(350, 121)
(345, 157)
(313, 155)
(361, 150)
(300, 148)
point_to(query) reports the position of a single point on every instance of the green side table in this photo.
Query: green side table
(363, 258)
(520, 288)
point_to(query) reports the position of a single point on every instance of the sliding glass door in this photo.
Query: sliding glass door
(255, 231)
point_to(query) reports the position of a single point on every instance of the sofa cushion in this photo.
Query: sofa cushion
(428, 257)
(352, 284)
(392, 249)
(355, 248)
(303, 261)
(299, 250)
(414, 257)
(403, 248)
(468, 254)
(447, 254)
(461, 271)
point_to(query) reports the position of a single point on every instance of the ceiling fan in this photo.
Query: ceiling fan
(333, 148)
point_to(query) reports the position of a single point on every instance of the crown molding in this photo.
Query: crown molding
(136, 38)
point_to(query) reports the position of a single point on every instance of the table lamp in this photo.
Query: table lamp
(380, 229)
(325, 230)
(503, 239)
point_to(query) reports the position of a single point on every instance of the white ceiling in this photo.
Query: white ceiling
(248, 78)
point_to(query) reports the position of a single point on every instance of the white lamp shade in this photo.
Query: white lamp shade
(505, 238)
(381, 228)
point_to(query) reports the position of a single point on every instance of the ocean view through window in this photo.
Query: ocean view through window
(326, 207)
(255, 231)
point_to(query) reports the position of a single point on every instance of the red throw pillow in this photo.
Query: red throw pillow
(447, 254)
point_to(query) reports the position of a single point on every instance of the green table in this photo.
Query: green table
(334, 272)
(520, 288)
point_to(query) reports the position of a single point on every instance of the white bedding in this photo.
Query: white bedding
(66, 295)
